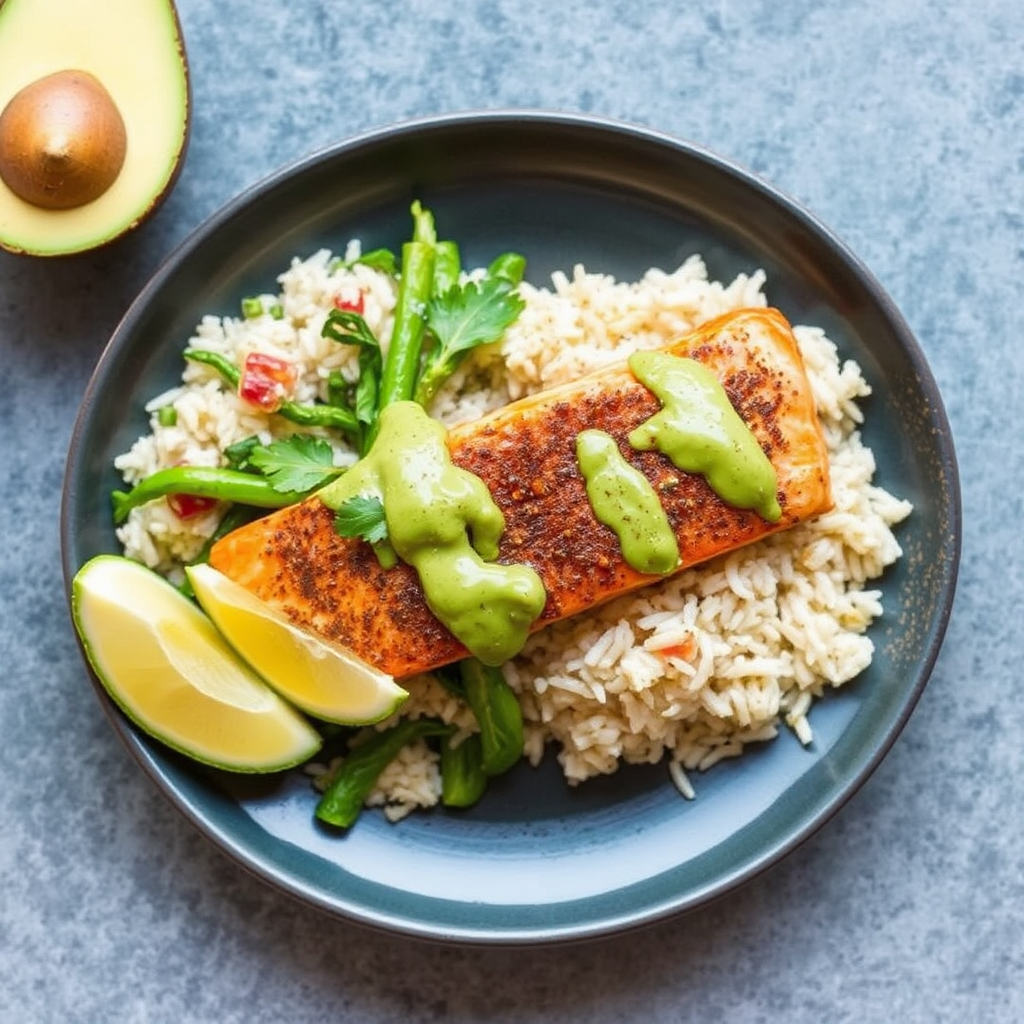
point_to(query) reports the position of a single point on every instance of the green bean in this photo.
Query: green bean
(227, 369)
(367, 390)
(346, 792)
(204, 482)
(239, 454)
(236, 516)
(320, 416)
(463, 780)
(349, 328)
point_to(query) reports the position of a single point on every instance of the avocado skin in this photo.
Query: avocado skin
(145, 70)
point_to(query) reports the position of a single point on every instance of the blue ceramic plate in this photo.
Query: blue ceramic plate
(537, 861)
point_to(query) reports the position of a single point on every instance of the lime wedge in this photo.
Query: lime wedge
(322, 678)
(164, 663)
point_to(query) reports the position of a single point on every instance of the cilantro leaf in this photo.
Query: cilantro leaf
(297, 463)
(362, 516)
(473, 314)
(461, 319)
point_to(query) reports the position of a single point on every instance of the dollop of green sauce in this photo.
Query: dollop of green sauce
(624, 500)
(700, 432)
(442, 521)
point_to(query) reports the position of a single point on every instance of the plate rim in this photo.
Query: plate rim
(389, 134)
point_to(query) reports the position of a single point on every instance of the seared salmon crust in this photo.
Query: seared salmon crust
(526, 455)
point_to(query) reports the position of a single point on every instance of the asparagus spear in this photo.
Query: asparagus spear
(401, 365)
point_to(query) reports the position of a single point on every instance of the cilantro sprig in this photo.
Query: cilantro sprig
(299, 463)
(464, 318)
(363, 516)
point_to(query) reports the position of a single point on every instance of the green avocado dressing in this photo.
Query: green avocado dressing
(443, 522)
(623, 499)
(700, 432)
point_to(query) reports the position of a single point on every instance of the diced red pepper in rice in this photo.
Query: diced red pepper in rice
(266, 381)
(188, 506)
(351, 300)
(685, 650)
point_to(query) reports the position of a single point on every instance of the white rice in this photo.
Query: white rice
(690, 670)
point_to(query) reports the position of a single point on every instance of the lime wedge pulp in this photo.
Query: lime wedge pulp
(168, 668)
(322, 678)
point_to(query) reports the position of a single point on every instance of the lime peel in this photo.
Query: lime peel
(170, 671)
(323, 679)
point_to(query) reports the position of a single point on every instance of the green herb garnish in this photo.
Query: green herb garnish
(297, 463)
(363, 517)
(461, 319)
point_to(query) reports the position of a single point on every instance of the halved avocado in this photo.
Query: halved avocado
(72, 71)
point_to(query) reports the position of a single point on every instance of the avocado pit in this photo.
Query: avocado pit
(62, 141)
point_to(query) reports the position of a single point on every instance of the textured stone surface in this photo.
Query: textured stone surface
(902, 127)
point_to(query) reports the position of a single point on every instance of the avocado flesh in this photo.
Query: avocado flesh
(135, 48)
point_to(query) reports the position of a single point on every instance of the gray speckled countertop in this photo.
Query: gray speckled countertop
(900, 125)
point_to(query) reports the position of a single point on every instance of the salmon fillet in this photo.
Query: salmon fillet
(526, 455)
